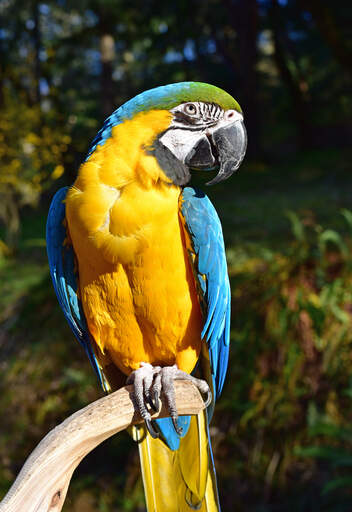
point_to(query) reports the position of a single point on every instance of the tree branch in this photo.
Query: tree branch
(42, 483)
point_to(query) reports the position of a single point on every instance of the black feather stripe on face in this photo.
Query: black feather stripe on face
(174, 169)
(206, 115)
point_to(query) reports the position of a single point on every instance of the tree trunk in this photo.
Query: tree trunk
(107, 52)
(37, 46)
(244, 19)
(300, 105)
(330, 32)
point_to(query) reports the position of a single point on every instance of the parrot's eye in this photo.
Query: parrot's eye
(190, 109)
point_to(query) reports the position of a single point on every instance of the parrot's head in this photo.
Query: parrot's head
(202, 129)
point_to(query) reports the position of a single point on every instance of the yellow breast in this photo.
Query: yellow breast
(136, 284)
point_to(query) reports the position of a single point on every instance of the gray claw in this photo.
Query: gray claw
(200, 384)
(151, 429)
(208, 398)
(152, 402)
(179, 430)
(155, 401)
(149, 381)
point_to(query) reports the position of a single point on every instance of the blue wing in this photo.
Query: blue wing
(62, 269)
(210, 267)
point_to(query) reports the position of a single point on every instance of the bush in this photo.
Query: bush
(291, 362)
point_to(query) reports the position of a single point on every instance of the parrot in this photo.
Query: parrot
(137, 259)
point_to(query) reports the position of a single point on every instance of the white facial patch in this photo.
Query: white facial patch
(180, 141)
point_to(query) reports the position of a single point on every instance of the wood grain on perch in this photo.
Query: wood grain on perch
(42, 483)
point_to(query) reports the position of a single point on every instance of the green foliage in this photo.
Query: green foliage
(291, 362)
(32, 147)
(336, 449)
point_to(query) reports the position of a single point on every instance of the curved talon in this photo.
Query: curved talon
(179, 430)
(151, 429)
(150, 381)
(208, 399)
(151, 403)
(155, 401)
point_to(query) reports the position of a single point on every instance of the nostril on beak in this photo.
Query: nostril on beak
(232, 115)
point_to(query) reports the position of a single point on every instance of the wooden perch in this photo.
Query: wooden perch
(42, 483)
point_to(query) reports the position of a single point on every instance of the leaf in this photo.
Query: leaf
(340, 314)
(296, 226)
(347, 214)
(331, 236)
(337, 483)
(335, 455)
(331, 430)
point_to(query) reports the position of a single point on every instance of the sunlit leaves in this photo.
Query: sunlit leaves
(32, 150)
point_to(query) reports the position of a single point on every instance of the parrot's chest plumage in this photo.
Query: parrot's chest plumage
(140, 301)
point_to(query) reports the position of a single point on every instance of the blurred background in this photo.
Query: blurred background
(282, 430)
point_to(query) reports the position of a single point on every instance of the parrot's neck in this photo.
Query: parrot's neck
(124, 157)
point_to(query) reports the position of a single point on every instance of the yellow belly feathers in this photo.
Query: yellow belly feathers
(136, 284)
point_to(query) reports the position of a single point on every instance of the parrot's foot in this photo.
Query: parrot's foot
(149, 381)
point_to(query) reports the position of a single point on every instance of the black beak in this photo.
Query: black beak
(224, 149)
(231, 144)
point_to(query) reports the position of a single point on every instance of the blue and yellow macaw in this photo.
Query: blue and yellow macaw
(138, 264)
